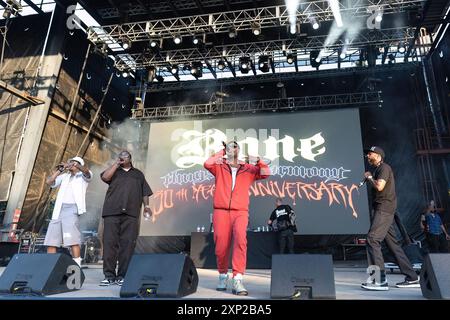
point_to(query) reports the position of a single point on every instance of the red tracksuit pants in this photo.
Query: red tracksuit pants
(230, 226)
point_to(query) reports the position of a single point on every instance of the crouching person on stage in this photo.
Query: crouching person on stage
(230, 218)
(73, 178)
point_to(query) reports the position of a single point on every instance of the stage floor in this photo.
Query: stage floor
(348, 277)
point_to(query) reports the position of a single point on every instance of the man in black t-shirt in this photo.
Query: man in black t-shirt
(127, 191)
(282, 221)
(384, 205)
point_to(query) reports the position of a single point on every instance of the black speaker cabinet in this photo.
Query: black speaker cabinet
(302, 276)
(160, 275)
(435, 276)
(41, 274)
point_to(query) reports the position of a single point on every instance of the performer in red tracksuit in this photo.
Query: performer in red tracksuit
(230, 218)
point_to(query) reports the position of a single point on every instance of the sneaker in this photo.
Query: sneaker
(409, 284)
(375, 286)
(107, 282)
(119, 281)
(223, 281)
(238, 287)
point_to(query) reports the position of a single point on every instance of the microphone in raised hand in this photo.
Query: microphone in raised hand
(363, 182)
(367, 176)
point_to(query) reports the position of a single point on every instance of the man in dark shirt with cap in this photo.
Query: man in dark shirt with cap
(384, 205)
(127, 190)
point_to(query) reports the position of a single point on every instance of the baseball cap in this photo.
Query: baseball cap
(375, 149)
(78, 159)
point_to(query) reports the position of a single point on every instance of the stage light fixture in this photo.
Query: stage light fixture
(379, 17)
(244, 64)
(196, 69)
(315, 24)
(196, 40)
(315, 59)
(177, 39)
(263, 63)
(232, 33)
(221, 65)
(125, 73)
(126, 43)
(290, 58)
(12, 8)
(401, 48)
(153, 43)
(6, 13)
(174, 69)
(256, 28)
(159, 78)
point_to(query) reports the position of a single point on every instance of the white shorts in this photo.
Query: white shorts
(64, 231)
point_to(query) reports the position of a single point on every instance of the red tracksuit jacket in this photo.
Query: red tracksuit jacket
(237, 199)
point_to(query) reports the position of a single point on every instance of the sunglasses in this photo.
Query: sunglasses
(232, 146)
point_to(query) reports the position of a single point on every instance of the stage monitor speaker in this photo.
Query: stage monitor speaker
(41, 274)
(160, 275)
(435, 276)
(302, 276)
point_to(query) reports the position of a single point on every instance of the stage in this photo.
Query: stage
(348, 277)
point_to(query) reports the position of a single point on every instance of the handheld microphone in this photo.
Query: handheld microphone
(363, 181)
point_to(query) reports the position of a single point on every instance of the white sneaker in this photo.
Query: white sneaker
(375, 286)
(78, 261)
(223, 282)
(238, 286)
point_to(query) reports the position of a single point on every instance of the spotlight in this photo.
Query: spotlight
(12, 8)
(232, 33)
(126, 43)
(177, 39)
(221, 65)
(6, 13)
(343, 54)
(196, 69)
(196, 40)
(159, 78)
(315, 59)
(401, 48)
(125, 73)
(290, 58)
(244, 64)
(315, 24)
(379, 15)
(151, 74)
(263, 63)
(174, 69)
(294, 28)
(153, 43)
(256, 28)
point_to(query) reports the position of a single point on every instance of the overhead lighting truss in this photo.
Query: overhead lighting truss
(360, 99)
(267, 17)
(382, 38)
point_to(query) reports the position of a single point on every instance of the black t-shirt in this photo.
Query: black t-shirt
(281, 214)
(125, 193)
(385, 200)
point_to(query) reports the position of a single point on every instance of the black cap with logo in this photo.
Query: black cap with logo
(375, 149)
